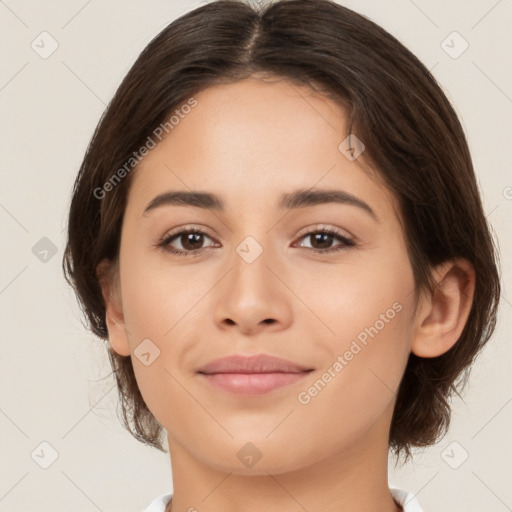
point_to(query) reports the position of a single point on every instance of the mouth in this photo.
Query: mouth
(252, 375)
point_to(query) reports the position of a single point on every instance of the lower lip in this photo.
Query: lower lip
(252, 383)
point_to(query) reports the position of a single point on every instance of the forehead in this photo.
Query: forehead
(252, 140)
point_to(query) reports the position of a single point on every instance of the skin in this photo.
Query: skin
(249, 142)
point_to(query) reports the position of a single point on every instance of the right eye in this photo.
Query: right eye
(191, 241)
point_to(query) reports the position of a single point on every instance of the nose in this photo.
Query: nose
(251, 298)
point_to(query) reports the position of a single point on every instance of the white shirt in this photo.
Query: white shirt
(406, 499)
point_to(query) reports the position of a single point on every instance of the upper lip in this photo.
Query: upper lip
(260, 363)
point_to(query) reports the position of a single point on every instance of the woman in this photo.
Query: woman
(278, 230)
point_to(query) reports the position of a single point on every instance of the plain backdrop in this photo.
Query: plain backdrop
(58, 402)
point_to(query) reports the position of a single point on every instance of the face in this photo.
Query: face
(323, 284)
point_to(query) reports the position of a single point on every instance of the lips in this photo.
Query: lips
(252, 375)
(260, 363)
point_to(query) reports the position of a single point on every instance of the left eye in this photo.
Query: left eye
(191, 242)
(324, 238)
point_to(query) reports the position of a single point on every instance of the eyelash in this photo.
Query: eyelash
(164, 243)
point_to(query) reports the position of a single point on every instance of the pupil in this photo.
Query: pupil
(326, 238)
(190, 238)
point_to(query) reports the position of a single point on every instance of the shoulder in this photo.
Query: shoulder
(406, 499)
(159, 503)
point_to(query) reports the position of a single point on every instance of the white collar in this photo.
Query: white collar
(406, 499)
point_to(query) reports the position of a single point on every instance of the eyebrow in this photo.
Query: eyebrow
(298, 199)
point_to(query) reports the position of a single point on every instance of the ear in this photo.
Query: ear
(443, 314)
(108, 277)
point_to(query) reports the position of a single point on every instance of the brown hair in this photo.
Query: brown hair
(414, 142)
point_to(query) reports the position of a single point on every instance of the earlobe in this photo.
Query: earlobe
(442, 316)
(108, 277)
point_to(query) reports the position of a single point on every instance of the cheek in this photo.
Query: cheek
(360, 377)
(366, 289)
(366, 307)
(158, 297)
(160, 305)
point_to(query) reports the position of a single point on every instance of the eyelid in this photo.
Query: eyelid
(322, 227)
(304, 231)
(186, 228)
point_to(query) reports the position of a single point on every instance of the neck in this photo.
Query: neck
(352, 479)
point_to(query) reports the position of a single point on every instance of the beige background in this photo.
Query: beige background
(51, 368)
